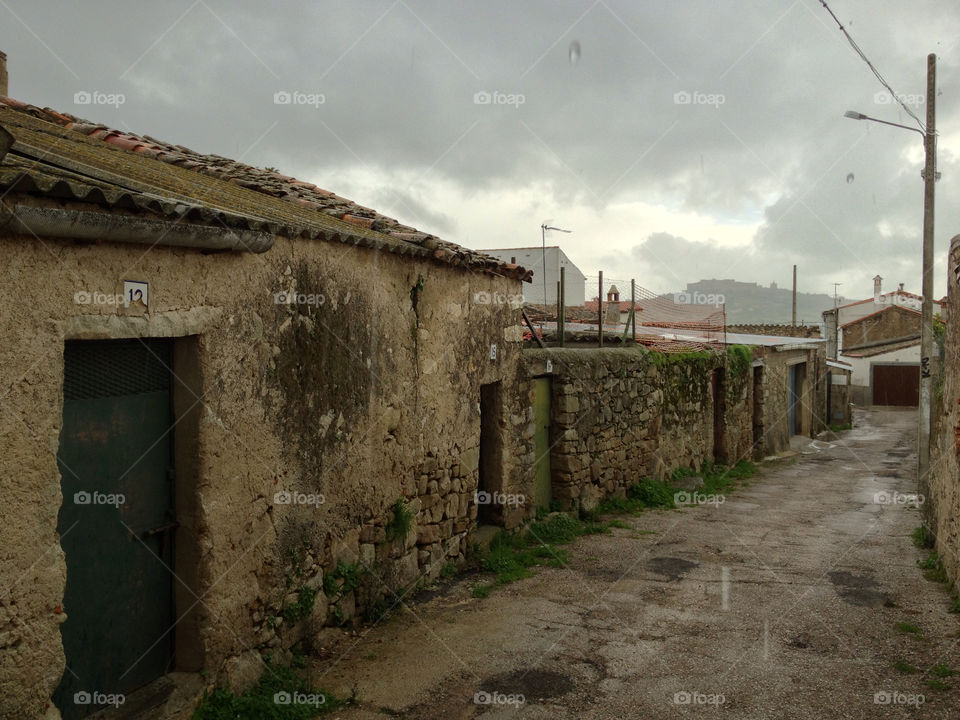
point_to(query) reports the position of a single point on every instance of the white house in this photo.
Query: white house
(532, 258)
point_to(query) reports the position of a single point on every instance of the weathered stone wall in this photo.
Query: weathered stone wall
(623, 414)
(365, 397)
(785, 330)
(941, 512)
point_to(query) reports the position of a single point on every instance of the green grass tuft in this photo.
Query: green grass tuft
(259, 703)
(905, 627)
(401, 522)
(905, 667)
(942, 670)
(923, 538)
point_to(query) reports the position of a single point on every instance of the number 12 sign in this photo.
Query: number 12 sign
(135, 291)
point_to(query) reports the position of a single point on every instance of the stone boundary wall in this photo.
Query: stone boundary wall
(623, 414)
(786, 330)
(941, 511)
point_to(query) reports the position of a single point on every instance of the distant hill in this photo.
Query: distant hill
(752, 303)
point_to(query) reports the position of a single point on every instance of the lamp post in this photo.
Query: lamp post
(930, 175)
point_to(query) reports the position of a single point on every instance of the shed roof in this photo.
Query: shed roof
(57, 154)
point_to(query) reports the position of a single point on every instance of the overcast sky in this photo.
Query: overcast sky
(678, 140)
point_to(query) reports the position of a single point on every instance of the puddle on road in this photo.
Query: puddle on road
(534, 685)
(858, 589)
(671, 567)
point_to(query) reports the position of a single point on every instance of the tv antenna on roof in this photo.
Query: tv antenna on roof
(544, 226)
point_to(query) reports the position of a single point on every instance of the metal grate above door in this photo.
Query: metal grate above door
(108, 368)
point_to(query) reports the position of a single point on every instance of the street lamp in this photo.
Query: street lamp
(930, 175)
(543, 242)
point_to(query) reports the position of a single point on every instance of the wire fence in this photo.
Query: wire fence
(623, 308)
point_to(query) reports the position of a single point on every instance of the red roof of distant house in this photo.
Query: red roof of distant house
(898, 291)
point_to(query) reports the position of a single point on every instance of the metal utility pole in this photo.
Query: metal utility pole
(562, 316)
(929, 175)
(600, 311)
(926, 310)
(794, 296)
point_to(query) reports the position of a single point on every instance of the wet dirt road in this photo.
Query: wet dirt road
(797, 597)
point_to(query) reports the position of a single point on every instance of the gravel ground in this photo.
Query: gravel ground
(794, 598)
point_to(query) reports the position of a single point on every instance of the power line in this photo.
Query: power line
(856, 49)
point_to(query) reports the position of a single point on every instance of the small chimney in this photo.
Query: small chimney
(901, 287)
(876, 288)
(3, 74)
(612, 314)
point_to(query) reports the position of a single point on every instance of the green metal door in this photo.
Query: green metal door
(116, 519)
(541, 442)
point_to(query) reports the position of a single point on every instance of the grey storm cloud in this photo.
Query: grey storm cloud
(731, 111)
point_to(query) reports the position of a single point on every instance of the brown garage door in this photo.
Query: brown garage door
(896, 385)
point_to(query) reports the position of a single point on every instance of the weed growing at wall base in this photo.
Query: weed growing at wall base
(400, 523)
(511, 557)
(261, 701)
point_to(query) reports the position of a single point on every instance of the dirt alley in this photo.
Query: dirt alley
(792, 599)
